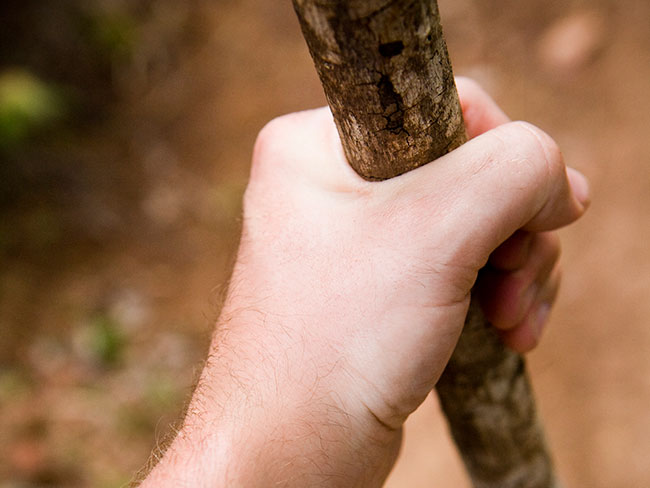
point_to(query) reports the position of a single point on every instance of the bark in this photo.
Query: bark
(387, 77)
(486, 395)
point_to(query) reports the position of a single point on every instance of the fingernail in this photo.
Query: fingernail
(579, 186)
(540, 319)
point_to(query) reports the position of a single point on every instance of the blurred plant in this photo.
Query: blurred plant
(27, 103)
(13, 385)
(101, 341)
(111, 33)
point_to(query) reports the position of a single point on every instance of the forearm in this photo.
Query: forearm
(262, 416)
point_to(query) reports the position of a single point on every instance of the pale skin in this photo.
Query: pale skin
(348, 296)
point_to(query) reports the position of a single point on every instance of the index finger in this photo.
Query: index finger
(480, 112)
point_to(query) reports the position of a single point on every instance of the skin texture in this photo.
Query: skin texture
(348, 296)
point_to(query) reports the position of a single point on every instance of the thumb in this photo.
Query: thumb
(512, 177)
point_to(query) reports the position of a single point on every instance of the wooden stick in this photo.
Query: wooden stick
(387, 77)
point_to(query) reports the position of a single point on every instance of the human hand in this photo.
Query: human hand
(348, 296)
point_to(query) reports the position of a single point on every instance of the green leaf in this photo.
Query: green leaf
(26, 103)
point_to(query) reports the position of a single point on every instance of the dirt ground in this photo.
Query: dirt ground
(112, 274)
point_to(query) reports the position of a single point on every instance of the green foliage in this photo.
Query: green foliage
(26, 104)
(103, 341)
(13, 384)
(112, 33)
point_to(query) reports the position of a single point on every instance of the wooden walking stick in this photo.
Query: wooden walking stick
(387, 77)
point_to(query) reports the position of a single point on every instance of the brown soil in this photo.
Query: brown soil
(113, 272)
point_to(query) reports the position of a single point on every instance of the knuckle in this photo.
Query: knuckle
(282, 141)
(274, 149)
(543, 144)
(537, 156)
(269, 154)
(267, 144)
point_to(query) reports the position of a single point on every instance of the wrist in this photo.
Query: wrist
(265, 410)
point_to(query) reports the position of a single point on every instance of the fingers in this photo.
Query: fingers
(285, 141)
(526, 335)
(516, 299)
(507, 293)
(480, 112)
(509, 178)
(513, 253)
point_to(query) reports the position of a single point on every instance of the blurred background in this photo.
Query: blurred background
(126, 129)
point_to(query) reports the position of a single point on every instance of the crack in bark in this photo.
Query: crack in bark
(392, 104)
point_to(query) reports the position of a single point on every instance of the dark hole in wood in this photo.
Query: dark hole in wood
(390, 49)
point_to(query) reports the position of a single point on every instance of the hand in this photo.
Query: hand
(348, 296)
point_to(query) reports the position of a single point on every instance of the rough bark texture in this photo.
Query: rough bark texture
(487, 398)
(387, 77)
